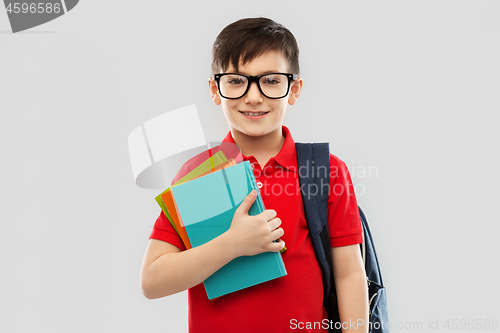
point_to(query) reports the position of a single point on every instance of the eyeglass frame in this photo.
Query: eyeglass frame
(255, 78)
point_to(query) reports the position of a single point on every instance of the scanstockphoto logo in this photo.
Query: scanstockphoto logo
(25, 15)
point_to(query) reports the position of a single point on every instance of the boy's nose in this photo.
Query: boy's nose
(253, 95)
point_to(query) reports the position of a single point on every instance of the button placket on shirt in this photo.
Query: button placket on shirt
(267, 173)
(258, 174)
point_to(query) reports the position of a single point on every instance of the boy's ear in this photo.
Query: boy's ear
(214, 91)
(295, 90)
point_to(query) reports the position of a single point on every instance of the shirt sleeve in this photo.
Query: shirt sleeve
(163, 230)
(343, 215)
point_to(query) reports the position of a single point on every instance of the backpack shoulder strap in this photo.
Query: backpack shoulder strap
(313, 160)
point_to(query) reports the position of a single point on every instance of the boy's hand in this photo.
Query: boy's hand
(250, 235)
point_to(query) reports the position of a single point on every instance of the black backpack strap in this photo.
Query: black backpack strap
(313, 161)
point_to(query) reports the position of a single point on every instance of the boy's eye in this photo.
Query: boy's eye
(272, 79)
(236, 80)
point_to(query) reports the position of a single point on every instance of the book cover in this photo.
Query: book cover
(170, 204)
(206, 206)
(206, 166)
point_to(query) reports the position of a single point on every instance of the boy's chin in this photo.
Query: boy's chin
(256, 130)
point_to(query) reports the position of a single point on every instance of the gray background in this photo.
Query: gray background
(407, 87)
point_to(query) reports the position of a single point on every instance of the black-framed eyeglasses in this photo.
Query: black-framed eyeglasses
(271, 85)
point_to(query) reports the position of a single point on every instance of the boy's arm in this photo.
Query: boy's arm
(166, 270)
(351, 286)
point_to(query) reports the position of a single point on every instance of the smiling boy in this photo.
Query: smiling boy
(255, 67)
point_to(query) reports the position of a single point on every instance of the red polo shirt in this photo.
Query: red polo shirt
(295, 300)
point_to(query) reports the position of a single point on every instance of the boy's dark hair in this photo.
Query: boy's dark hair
(248, 38)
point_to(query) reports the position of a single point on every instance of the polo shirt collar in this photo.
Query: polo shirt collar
(287, 156)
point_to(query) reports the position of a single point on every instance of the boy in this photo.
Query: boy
(255, 66)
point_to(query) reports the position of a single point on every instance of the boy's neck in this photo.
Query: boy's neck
(261, 147)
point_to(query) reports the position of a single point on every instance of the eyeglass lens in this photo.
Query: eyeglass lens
(273, 85)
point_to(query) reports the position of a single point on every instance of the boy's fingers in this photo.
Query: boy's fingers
(277, 233)
(274, 223)
(277, 246)
(268, 214)
(247, 202)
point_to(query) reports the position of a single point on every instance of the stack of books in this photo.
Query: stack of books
(200, 206)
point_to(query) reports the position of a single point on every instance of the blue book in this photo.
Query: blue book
(206, 207)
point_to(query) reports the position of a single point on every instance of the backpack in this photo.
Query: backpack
(314, 156)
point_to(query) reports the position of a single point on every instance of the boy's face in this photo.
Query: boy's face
(254, 101)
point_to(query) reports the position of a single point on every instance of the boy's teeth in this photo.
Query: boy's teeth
(254, 113)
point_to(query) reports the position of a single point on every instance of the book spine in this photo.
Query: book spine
(260, 204)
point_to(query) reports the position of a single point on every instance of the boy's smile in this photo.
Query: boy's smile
(254, 117)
